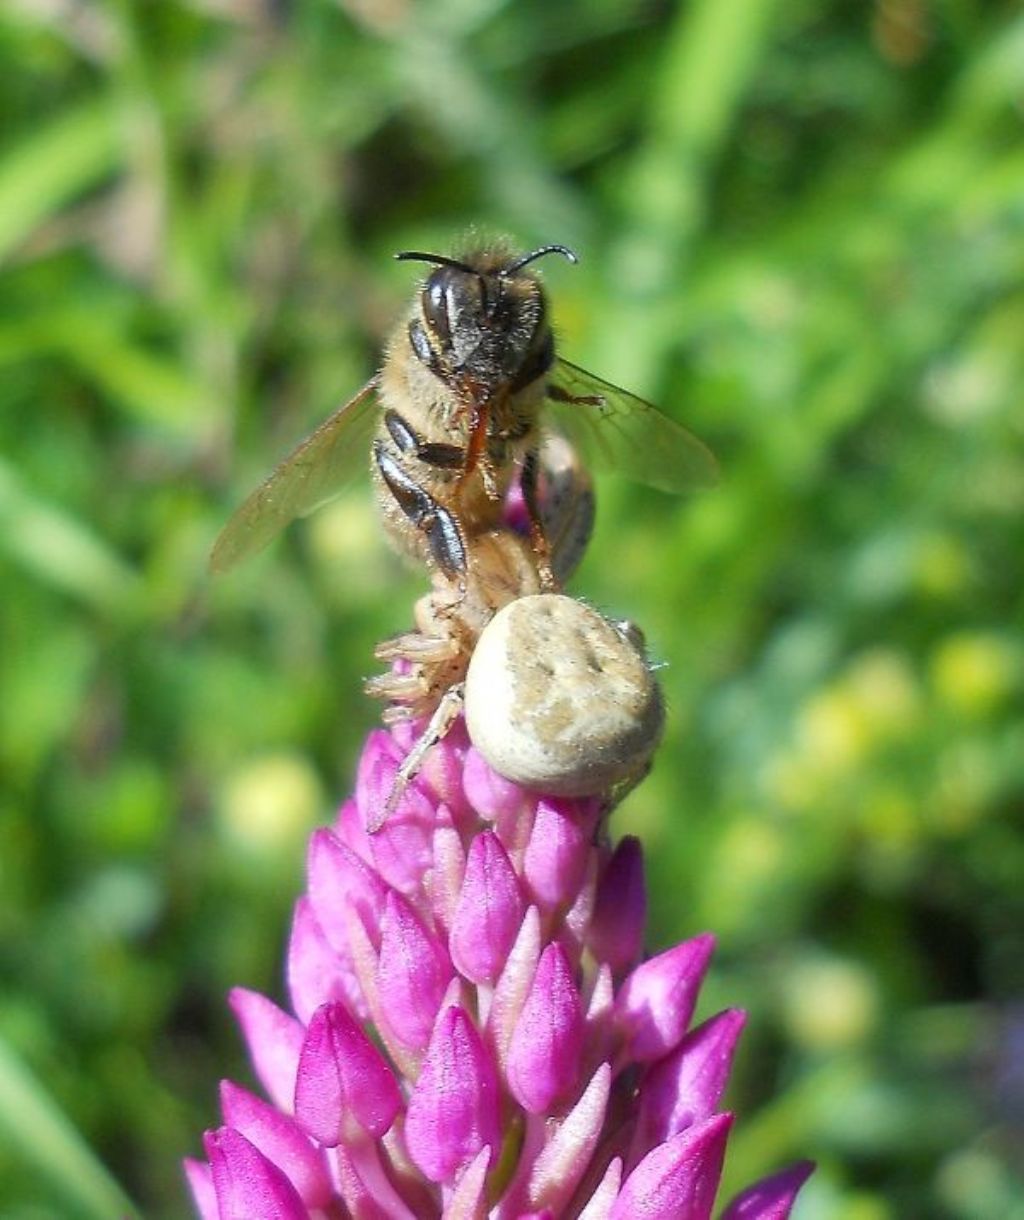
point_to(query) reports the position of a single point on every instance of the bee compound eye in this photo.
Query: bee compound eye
(560, 700)
(434, 303)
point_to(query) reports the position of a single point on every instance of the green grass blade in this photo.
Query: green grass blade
(34, 1127)
(708, 61)
(52, 165)
(59, 550)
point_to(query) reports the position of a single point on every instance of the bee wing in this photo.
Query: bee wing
(617, 430)
(311, 474)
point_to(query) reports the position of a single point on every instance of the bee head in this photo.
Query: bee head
(479, 320)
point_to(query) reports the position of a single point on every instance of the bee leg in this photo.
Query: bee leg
(487, 477)
(538, 539)
(476, 450)
(448, 457)
(582, 400)
(445, 715)
(436, 523)
(433, 453)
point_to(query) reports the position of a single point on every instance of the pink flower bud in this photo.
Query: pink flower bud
(343, 1083)
(489, 911)
(616, 934)
(246, 1183)
(678, 1178)
(413, 972)
(378, 763)
(556, 854)
(772, 1198)
(684, 1088)
(468, 1200)
(453, 1110)
(402, 847)
(566, 1154)
(655, 1003)
(444, 880)
(599, 1205)
(365, 1187)
(513, 985)
(544, 1055)
(280, 1140)
(443, 771)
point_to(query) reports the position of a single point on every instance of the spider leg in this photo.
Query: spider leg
(445, 715)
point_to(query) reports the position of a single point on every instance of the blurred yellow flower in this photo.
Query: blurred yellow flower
(270, 802)
(972, 673)
(845, 1008)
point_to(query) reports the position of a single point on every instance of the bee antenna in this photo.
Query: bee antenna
(520, 263)
(416, 256)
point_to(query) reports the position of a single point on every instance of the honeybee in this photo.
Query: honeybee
(458, 413)
(455, 413)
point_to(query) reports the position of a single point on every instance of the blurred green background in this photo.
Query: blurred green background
(802, 230)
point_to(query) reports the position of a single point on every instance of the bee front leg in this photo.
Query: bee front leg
(538, 538)
(476, 450)
(433, 453)
(444, 537)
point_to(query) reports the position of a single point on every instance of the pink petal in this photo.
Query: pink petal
(544, 1055)
(514, 985)
(599, 1205)
(599, 1030)
(655, 1003)
(280, 1140)
(565, 1158)
(468, 1201)
(489, 911)
(274, 1039)
(556, 854)
(678, 1179)
(686, 1087)
(246, 1183)
(444, 881)
(365, 1187)
(577, 918)
(616, 933)
(200, 1183)
(343, 1083)
(413, 972)
(453, 1111)
(772, 1198)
